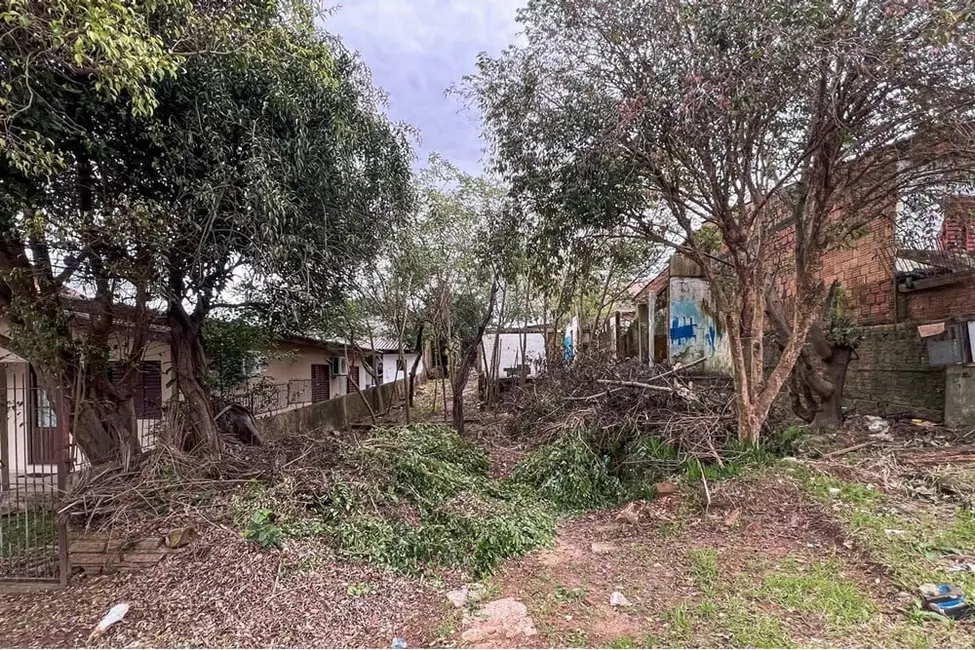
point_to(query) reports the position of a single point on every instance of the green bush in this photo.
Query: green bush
(423, 463)
(568, 474)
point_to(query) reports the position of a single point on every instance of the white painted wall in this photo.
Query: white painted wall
(390, 373)
(509, 352)
(693, 331)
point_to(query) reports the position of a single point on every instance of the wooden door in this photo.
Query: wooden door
(320, 376)
(42, 432)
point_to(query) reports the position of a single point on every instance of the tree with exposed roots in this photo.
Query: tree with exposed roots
(781, 126)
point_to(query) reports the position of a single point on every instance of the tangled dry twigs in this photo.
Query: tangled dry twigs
(167, 486)
(693, 412)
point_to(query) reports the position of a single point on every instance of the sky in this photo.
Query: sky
(416, 49)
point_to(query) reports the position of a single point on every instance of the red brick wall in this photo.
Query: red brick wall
(942, 302)
(958, 230)
(863, 268)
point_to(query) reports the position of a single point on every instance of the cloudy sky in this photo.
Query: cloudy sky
(416, 49)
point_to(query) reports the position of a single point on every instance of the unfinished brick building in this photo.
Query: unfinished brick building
(895, 280)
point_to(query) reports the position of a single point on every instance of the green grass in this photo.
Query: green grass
(749, 627)
(569, 593)
(727, 619)
(704, 569)
(913, 548)
(360, 589)
(25, 530)
(820, 589)
(574, 639)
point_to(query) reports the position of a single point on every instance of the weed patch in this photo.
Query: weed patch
(915, 547)
(818, 589)
(704, 569)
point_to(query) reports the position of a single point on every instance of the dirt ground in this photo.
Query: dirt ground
(810, 553)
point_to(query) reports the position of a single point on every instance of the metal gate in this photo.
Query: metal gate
(34, 449)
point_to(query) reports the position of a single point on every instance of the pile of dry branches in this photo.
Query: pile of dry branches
(691, 411)
(167, 486)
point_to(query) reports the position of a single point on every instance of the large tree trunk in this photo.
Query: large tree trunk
(100, 415)
(830, 411)
(189, 366)
(469, 358)
(817, 380)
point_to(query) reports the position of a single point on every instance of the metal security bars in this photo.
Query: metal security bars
(34, 448)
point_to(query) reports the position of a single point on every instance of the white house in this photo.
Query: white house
(517, 349)
(31, 440)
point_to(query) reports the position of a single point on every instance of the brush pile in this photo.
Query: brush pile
(619, 403)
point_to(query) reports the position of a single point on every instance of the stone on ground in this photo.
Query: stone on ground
(499, 621)
(603, 548)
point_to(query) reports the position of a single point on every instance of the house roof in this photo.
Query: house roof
(378, 344)
(933, 261)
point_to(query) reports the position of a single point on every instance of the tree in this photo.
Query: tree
(217, 146)
(471, 238)
(73, 74)
(281, 176)
(741, 117)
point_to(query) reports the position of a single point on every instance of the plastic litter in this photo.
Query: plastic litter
(399, 642)
(617, 599)
(947, 600)
(966, 568)
(876, 424)
(114, 615)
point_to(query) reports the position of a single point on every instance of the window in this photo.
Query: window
(147, 392)
(47, 418)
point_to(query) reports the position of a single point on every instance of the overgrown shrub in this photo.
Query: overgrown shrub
(569, 474)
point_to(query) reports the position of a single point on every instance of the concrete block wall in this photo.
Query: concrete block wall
(891, 374)
(335, 414)
(960, 396)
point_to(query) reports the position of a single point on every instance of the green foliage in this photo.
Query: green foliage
(843, 329)
(409, 498)
(55, 48)
(232, 348)
(568, 474)
(179, 152)
(262, 530)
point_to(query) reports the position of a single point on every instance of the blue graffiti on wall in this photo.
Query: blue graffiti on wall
(682, 331)
(691, 328)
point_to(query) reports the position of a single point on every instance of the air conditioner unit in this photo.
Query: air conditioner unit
(340, 366)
